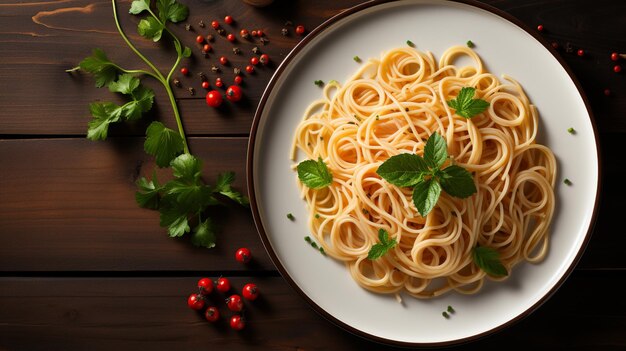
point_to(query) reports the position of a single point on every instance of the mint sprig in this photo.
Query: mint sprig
(426, 176)
(183, 201)
(314, 174)
(488, 259)
(380, 249)
(465, 104)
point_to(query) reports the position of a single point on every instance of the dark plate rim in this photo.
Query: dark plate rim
(261, 230)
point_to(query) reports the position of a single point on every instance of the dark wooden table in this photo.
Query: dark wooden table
(82, 267)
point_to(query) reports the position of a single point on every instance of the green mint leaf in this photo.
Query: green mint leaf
(175, 220)
(103, 70)
(403, 169)
(163, 143)
(148, 194)
(379, 250)
(223, 186)
(104, 113)
(171, 10)
(150, 28)
(204, 234)
(457, 181)
(425, 195)
(465, 105)
(125, 84)
(187, 167)
(138, 6)
(314, 174)
(435, 151)
(488, 259)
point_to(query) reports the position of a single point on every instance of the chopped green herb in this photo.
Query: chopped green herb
(322, 251)
(317, 215)
(377, 117)
(410, 43)
(406, 109)
(365, 211)
(571, 130)
(450, 309)
(314, 244)
(290, 216)
(307, 239)
(465, 104)
(445, 314)
(470, 44)
(356, 59)
(567, 181)
(319, 83)
(379, 250)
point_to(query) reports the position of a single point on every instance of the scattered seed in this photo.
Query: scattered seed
(284, 32)
(237, 71)
(192, 91)
(237, 51)
(202, 75)
(201, 24)
(221, 31)
(569, 48)
(188, 27)
(177, 82)
(264, 41)
(210, 38)
(214, 69)
(256, 50)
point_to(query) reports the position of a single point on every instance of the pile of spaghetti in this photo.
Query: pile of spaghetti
(392, 105)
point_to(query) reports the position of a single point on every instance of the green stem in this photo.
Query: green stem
(157, 74)
(137, 71)
(180, 45)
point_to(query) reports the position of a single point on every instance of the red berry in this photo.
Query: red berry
(250, 292)
(222, 285)
(199, 39)
(607, 92)
(237, 322)
(207, 48)
(254, 34)
(614, 56)
(195, 302)
(238, 80)
(250, 69)
(233, 94)
(300, 30)
(212, 314)
(205, 284)
(214, 99)
(540, 27)
(205, 85)
(264, 59)
(184, 71)
(228, 20)
(215, 24)
(223, 60)
(580, 52)
(231, 37)
(218, 82)
(244, 33)
(254, 60)
(234, 303)
(243, 254)
(259, 32)
(617, 68)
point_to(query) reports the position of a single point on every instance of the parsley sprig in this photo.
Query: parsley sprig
(465, 104)
(380, 249)
(426, 176)
(183, 200)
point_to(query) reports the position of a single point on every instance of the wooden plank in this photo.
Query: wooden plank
(151, 313)
(69, 205)
(56, 35)
(70, 202)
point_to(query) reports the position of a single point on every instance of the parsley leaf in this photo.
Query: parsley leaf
(104, 113)
(314, 174)
(171, 10)
(103, 70)
(163, 143)
(457, 181)
(425, 195)
(150, 28)
(403, 169)
(125, 84)
(488, 259)
(379, 250)
(149, 192)
(426, 176)
(204, 234)
(138, 6)
(186, 52)
(224, 180)
(175, 220)
(465, 105)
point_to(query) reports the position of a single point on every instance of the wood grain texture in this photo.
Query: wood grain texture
(151, 313)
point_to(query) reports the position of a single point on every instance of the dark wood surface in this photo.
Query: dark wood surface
(82, 267)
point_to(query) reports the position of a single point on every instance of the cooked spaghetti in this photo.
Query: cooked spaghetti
(392, 105)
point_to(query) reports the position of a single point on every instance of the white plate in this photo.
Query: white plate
(505, 47)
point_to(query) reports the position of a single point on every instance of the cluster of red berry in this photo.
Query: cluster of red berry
(235, 303)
